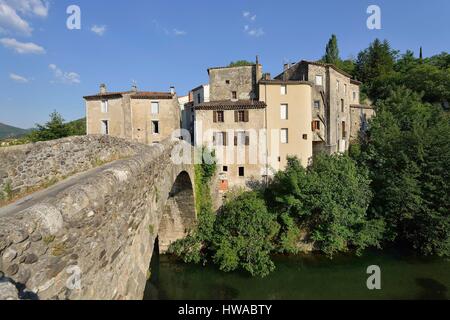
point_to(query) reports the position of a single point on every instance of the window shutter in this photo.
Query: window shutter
(214, 116)
(247, 139)
(236, 116)
(246, 119)
(225, 136)
(235, 139)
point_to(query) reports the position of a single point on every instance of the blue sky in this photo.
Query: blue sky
(44, 66)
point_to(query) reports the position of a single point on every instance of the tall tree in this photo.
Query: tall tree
(53, 129)
(332, 51)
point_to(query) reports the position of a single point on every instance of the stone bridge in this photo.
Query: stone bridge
(92, 235)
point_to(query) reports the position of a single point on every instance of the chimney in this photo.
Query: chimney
(134, 88)
(286, 66)
(172, 90)
(267, 76)
(103, 88)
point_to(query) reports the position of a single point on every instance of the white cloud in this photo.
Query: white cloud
(245, 14)
(11, 22)
(22, 47)
(17, 78)
(99, 30)
(254, 32)
(30, 7)
(179, 32)
(64, 77)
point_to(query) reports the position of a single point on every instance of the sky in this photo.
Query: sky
(45, 66)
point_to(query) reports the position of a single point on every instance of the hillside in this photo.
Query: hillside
(7, 131)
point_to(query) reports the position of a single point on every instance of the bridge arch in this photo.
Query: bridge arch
(95, 239)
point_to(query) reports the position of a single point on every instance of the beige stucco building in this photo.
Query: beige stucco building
(141, 116)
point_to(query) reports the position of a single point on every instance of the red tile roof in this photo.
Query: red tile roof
(231, 105)
(133, 95)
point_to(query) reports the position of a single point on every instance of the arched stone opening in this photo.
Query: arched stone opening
(178, 215)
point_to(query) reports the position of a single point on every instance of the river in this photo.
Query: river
(305, 277)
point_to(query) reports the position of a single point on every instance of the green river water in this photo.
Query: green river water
(305, 277)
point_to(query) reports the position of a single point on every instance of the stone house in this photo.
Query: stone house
(337, 115)
(140, 116)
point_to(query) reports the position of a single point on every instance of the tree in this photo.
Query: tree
(240, 63)
(332, 51)
(330, 200)
(243, 235)
(53, 129)
(407, 152)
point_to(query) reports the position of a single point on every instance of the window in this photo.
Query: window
(284, 112)
(220, 139)
(105, 127)
(242, 138)
(155, 127)
(338, 85)
(342, 105)
(315, 125)
(225, 169)
(241, 172)
(345, 89)
(344, 131)
(104, 106)
(284, 136)
(283, 90)
(199, 98)
(227, 81)
(317, 104)
(218, 116)
(319, 80)
(354, 96)
(305, 137)
(241, 116)
(234, 95)
(155, 107)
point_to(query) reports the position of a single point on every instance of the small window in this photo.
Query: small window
(105, 127)
(317, 104)
(199, 98)
(227, 81)
(338, 85)
(319, 80)
(220, 139)
(305, 137)
(345, 89)
(219, 116)
(284, 111)
(315, 125)
(354, 96)
(241, 172)
(344, 131)
(225, 169)
(284, 136)
(234, 95)
(155, 107)
(104, 106)
(283, 90)
(241, 116)
(342, 105)
(155, 127)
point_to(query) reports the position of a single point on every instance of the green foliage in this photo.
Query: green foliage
(53, 129)
(243, 235)
(194, 248)
(407, 152)
(330, 200)
(241, 63)
(7, 191)
(332, 51)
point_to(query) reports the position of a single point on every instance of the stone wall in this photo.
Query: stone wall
(95, 239)
(32, 165)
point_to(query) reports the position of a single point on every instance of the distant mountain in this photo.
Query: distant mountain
(11, 132)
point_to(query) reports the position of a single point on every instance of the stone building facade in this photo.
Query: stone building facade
(335, 95)
(140, 116)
